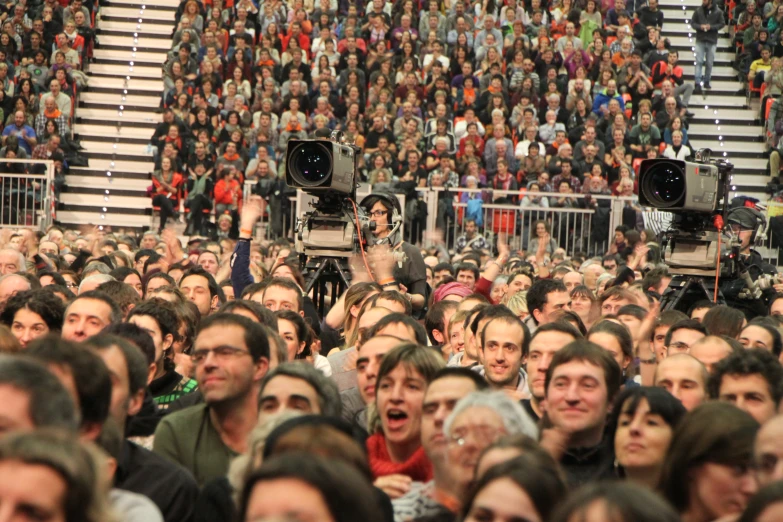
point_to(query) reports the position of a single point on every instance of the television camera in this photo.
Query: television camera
(703, 245)
(336, 228)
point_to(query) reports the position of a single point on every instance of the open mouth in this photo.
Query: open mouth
(396, 418)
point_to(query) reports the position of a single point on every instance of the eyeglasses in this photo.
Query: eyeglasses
(379, 213)
(221, 353)
(482, 435)
(679, 346)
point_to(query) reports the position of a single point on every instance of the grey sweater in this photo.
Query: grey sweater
(715, 20)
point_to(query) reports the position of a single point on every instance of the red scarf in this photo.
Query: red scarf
(417, 467)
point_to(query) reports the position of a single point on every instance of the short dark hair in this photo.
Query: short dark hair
(162, 312)
(618, 331)
(583, 350)
(489, 312)
(135, 360)
(326, 389)
(443, 266)
(467, 267)
(558, 326)
(425, 361)
(753, 361)
(685, 324)
(50, 404)
(435, 318)
(514, 321)
(56, 276)
(135, 334)
(45, 304)
(90, 374)
(396, 317)
(264, 315)
(116, 313)
(392, 295)
(538, 293)
(214, 289)
(633, 310)
(458, 372)
(701, 303)
(771, 326)
(121, 293)
(288, 285)
(255, 335)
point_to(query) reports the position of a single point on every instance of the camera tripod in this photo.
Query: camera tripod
(686, 290)
(326, 276)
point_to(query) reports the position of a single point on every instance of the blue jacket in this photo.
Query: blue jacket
(602, 98)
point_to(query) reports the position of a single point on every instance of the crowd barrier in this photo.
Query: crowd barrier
(585, 225)
(26, 200)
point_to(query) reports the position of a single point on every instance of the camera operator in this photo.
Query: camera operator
(744, 223)
(396, 264)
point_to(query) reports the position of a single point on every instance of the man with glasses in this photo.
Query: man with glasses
(231, 357)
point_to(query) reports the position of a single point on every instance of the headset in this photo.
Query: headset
(743, 213)
(392, 204)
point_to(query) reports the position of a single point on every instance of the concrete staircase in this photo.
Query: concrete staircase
(116, 116)
(724, 122)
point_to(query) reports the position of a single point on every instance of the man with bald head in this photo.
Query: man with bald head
(768, 452)
(710, 350)
(572, 279)
(11, 261)
(10, 285)
(591, 271)
(684, 377)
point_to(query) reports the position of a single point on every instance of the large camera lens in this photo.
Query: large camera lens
(663, 184)
(310, 164)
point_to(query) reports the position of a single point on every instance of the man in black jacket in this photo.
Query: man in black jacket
(707, 20)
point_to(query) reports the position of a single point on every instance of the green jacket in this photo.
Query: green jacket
(188, 438)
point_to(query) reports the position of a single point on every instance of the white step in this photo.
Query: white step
(124, 55)
(684, 41)
(135, 12)
(138, 71)
(127, 42)
(158, 3)
(111, 131)
(758, 164)
(103, 182)
(731, 115)
(88, 113)
(131, 100)
(718, 101)
(751, 180)
(689, 57)
(726, 130)
(146, 27)
(99, 200)
(125, 149)
(732, 146)
(101, 164)
(135, 84)
(110, 218)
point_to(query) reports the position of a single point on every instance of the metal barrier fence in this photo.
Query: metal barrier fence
(26, 199)
(586, 224)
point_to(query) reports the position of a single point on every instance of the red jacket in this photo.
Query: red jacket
(224, 192)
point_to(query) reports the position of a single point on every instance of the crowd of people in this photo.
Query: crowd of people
(558, 96)
(43, 46)
(146, 380)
